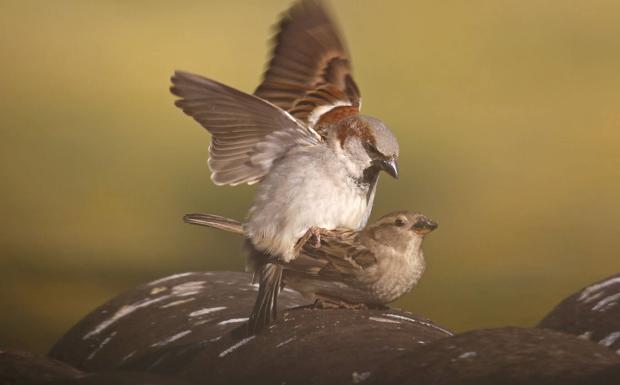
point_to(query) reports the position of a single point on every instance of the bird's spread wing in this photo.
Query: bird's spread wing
(339, 256)
(310, 70)
(248, 133)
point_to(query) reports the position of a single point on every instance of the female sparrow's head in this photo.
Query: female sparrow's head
(365, 144)
(401, 227)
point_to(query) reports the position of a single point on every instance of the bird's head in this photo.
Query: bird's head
(365, 144)
(401, 229)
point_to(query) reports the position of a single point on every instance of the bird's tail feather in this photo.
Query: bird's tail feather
(215, 221)
(266, 307)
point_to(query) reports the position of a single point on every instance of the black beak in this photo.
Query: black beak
(424, 225)
(388, 165)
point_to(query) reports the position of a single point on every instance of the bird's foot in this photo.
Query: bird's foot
(313, 235)
(332, 303)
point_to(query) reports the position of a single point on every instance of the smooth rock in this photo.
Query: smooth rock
(191, 327)
(506, 356)
(592, 313)
(23, 368)
(172, 311)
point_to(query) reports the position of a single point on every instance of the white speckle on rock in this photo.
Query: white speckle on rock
(157, 290)
(171, 339)
(428, 324)
(181, 290)
(285, 342)
(188, 288)
(232, 321)
(618, 351)
(175, 303)
(385, 320)
(359, 377)
(101, 345)
(215, 339)
(128, 356)
(585, 336)
(236, 346)
(607, 303)
(204, 311)
(587, 295)
(123, 312)
(610, 339)
(397, 316)
(169, 278)
(468, 355)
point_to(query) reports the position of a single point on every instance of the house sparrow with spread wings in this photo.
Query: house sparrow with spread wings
(301, 136)
(373, 266)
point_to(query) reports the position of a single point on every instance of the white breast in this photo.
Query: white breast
(306, 189)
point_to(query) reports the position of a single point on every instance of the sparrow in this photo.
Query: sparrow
(301, 137)
(371, 267)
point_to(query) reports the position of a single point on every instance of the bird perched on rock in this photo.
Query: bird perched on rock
(373, 266)
(301, 136)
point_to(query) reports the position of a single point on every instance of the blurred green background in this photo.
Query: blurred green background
(508, 114)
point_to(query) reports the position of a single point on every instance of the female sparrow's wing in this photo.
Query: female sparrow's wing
(248, 133)
(310, 70)
(340, 255)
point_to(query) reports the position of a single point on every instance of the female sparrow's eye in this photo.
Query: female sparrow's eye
(399, 222)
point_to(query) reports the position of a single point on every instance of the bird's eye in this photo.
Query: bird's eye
(400, 222)
(371, 149)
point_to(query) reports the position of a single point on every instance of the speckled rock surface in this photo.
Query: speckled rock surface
(506, 356)
(305, 347)
(17, 368)
(172, 311)
(592, 313)
(120, 378)
(190, 327)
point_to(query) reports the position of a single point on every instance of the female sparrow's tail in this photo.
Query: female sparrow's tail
(268, 275)
(215, 221)
(265, 310)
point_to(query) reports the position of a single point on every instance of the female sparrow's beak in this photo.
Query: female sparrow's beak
(424, 226)
(388, 165)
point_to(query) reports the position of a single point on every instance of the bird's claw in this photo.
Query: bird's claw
(313, 235)
(322, 302)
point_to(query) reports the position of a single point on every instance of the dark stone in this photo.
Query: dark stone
(23, 368)
(168, 312)
(592, 313)
(506, 356)
(306, 346)
(120, 378)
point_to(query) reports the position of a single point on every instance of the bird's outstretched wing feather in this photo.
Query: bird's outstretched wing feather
(248, 133)
(310, 69)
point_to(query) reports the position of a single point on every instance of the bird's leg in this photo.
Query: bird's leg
(314, 234)
(326, 302)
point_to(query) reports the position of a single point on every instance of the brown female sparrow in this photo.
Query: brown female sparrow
(373, 266)
(301, 136)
